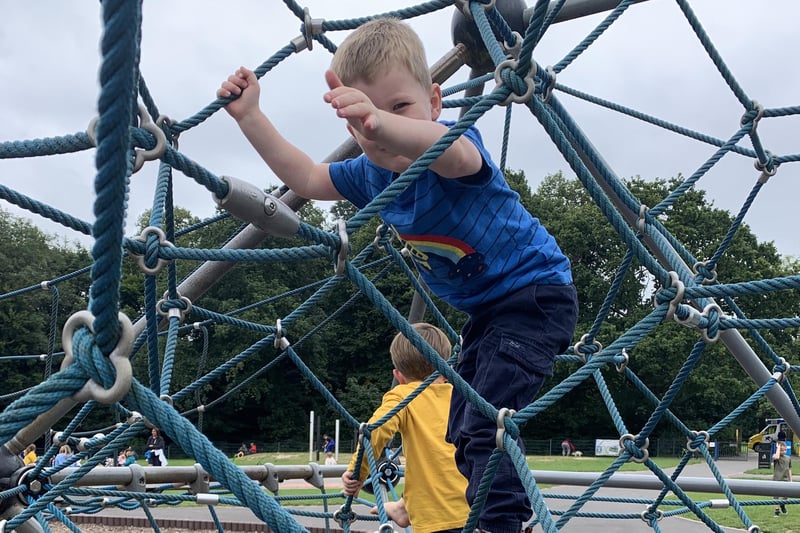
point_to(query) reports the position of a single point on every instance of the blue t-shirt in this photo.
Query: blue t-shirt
(471, 238)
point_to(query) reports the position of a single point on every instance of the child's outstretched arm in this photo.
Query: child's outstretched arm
(292, 166)
(390, 130)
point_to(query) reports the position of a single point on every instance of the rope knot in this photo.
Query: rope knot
(344, 516)
(711, 320)
(652, 516)
(90, 358)
(697, 439)
(521, 86)
(672, 293)
(781, 369)
(709, 274)
(638, 454)
(174, 307)
(110, 376)
(582, 349)
(153, 238)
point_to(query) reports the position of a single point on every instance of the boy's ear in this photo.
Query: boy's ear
(401, 379)
(436, 101)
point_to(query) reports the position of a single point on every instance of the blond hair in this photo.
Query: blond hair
(410, 361)
(378, 46)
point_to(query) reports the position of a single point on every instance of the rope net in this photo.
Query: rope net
(99, 343)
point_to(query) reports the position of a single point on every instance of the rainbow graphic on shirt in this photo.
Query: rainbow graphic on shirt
(434, 252)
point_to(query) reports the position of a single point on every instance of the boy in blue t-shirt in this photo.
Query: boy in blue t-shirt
(473, 242)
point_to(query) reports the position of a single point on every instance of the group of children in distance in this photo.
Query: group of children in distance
(475, 246)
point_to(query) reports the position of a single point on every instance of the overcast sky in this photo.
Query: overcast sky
(649, 60)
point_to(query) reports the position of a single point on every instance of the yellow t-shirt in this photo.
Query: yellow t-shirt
(30, 458)
(434, 488)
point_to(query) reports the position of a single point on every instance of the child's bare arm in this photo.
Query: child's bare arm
(290, 164)
(404, 136)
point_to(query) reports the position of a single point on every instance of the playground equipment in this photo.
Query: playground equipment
(99, 341)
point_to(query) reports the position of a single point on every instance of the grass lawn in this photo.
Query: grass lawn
(761, 515)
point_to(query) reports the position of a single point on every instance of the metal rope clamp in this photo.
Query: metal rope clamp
(547, 90)
(280, 342)
(501, 426)
(514, 48)
(707, 310)
(690, 441)
(780, 376)
(311, 27)
(578, 348)
(343, 247)
(175, 311)
(162, 241)
(343, 517)
(680, 289)
(624, 364)
(628, 437)
(698, 269)
(512, 96)
(647, 516)
(247, 202)
(383, 235)
(759, 110)
(146, 124)
(119, 357)
(764, 168)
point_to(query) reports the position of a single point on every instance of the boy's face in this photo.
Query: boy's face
(399, 93)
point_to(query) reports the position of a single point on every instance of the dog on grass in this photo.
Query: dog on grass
(577, 453)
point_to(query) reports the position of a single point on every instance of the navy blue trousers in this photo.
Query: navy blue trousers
(508, 350)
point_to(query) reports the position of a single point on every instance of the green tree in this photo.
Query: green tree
(28, 258)
(718, 384)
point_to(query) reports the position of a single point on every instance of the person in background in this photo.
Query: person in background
(253, 448)
(329, 447)
(30, 456)
(63, 455)
(434, 499)
(782, 471)
(130, 458)
(155, 445)
(566, 447)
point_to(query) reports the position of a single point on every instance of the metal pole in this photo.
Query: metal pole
(180, 475)
(573, 9)
(311, 436)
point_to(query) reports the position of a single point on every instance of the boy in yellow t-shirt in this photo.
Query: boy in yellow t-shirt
(30, 456)
(434, 497)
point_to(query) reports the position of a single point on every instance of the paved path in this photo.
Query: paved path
(728, 468)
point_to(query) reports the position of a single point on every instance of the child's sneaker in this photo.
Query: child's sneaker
(783, 509)
(777, 513)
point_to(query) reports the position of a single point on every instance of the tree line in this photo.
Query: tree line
(350, 354)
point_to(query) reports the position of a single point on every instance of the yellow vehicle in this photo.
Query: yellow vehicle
(762, 441)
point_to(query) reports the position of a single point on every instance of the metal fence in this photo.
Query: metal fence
(544, 447)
